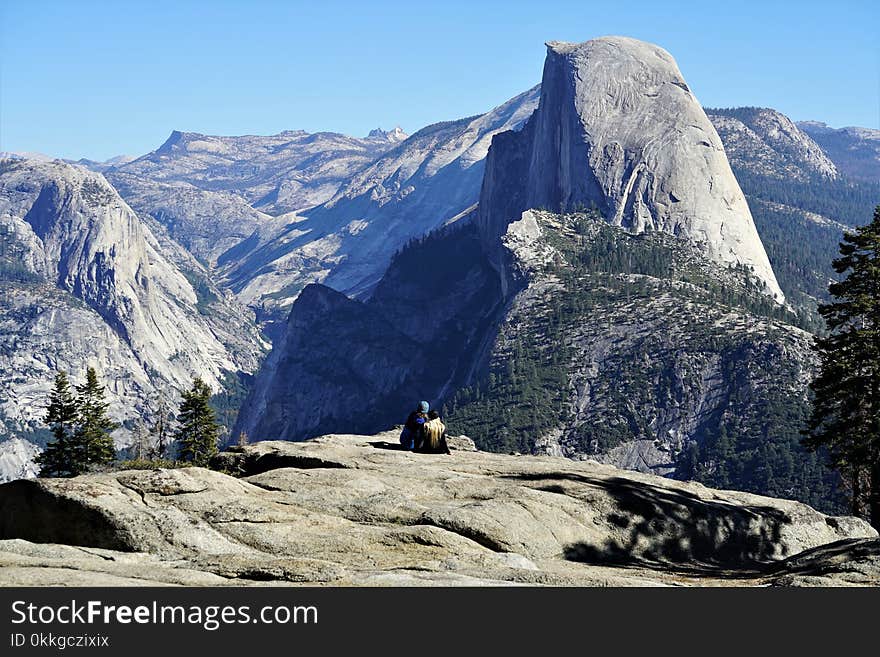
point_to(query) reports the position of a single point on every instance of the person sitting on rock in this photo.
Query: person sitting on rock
(434, 436)
(413, 431)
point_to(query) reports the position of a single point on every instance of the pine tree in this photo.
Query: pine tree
(61, 457)
(846, 409)
(92, 437)
(198, 431)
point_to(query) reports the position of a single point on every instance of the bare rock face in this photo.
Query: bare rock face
(17, 459)
(352, 510)
(208, 223)
(619, 129)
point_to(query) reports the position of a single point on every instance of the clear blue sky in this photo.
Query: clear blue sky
(96, 79)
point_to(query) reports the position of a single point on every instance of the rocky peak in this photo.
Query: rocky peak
(619, 129)
(345, 358)
(176, 138)
(394, 135)
(316, 300)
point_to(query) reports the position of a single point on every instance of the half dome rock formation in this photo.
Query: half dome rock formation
(618, 128)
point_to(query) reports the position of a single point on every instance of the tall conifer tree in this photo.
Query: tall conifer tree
(93, 434)
(198, 431)
(846, 410)
(61, 458)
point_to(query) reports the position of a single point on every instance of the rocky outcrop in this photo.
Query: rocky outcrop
(351, 510)
(646, 355)
(618, 129)
(338, 357)
(394, 136)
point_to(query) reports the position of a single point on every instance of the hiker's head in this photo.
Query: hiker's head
(433, 415)
(424, 406)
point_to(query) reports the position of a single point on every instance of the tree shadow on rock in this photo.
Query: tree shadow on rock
(662, 528)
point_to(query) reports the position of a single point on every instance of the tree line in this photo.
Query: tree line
(82, 429)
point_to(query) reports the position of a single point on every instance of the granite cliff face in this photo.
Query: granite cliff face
(207, 223)
(84, 283)
(618, 129)
(351, 510)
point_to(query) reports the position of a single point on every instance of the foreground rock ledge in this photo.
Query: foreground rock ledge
(353, 510)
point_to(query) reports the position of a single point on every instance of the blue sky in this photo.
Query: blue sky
(96, 79)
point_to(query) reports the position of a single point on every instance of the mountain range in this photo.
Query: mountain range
(597, 268)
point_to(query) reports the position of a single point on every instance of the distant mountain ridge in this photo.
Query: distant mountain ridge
(275, 174)
(428, 180)
(856, 151)
(768, 142)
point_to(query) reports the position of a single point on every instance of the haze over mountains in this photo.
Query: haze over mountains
(169, 265)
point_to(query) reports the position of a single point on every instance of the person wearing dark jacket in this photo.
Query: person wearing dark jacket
(413, 430)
